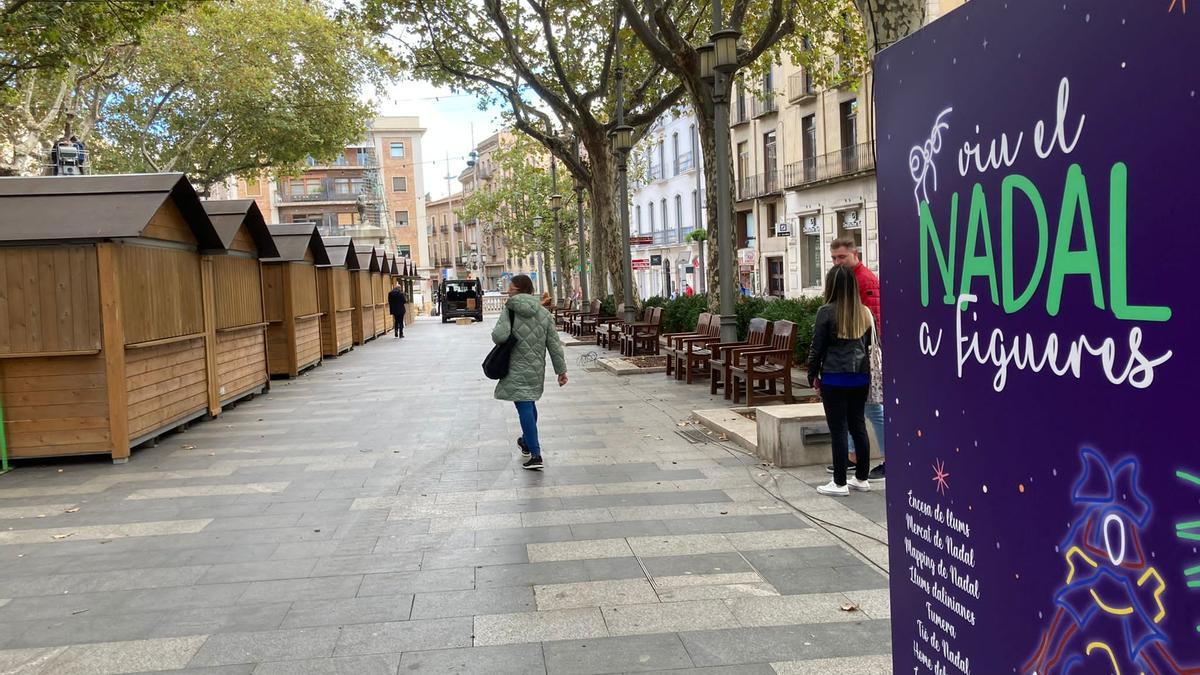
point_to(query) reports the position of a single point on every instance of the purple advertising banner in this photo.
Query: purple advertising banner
(1039, 207)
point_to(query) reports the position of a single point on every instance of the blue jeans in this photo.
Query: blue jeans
(527, 411)
(874, 414)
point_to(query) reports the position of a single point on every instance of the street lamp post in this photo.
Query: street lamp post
(556, 206)
(540, 258)
(583, 258)
(622, 142)
(718, 63)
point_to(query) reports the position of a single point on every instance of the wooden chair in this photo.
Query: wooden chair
(592, 312)
(562, 315)
(642, 336)
(608, 331)
(767, 366)
(725, 354)
(690, 353)
(668, 339)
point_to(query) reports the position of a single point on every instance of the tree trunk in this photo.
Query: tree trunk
(888, 21)
(607, 256)
(702, 107)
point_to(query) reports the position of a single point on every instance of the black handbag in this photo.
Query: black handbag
(495, 366)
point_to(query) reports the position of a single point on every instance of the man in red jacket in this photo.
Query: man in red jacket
(845, 253)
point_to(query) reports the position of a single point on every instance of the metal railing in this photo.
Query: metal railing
(684, 162)
(739, 111)
(749, 187)
(654, 172)
(849, 161)
(800, 86)
(764, 104)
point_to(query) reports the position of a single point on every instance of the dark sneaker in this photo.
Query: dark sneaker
(877, 473)
(534, 464)
(849, 468)
(523, 447)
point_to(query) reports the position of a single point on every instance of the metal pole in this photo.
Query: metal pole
(726, 263)
(623, 182)
(558, 249)
(583, 257)
(3, 442)
(701, 225)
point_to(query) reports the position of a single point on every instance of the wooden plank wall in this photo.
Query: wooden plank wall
(238, 291)
(325, 295)
(308, 342)
(341, 289)
(365, 302)
(49, 300)
(164, 383)
(55, 406)
(160, 293)
(272, 280)
(345, 328)
(304, 289)
(241, 356)
(168, 224)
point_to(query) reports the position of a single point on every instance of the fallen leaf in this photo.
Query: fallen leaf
(63, 536)
(849, 607)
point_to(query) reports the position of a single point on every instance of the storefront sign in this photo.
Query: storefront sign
(1037, 177)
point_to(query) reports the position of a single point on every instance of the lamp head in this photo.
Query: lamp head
(726, 57)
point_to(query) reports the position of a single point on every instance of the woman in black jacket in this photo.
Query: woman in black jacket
(839, 368)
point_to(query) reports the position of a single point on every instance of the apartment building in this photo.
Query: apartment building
(804, 175)
(666, 204)
(397, 143)
(473, 248)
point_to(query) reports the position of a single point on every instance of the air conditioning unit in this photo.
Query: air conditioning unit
(783, 229)
(811, 225)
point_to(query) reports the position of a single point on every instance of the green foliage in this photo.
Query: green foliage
(53, 35)
(608, 305)
(681, 314)
(697, 235)
(235, 88)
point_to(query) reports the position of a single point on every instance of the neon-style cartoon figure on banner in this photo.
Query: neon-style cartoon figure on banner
(1110, 609)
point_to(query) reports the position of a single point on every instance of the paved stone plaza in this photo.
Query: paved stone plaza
(372, 517)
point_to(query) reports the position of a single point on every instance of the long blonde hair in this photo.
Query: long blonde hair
(841, 291)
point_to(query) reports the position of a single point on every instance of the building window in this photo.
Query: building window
(404, 251)
(650, 210)
(775, 277)
(679, 212)
(402, 219)
(360, 156)
(396, 149)
(741, 104)
(675, 150)
(696, 208)
(348, 186)
(812, 260)
(849, 224)
(743, 168)
(310, 161)
(769, 220)
(399, 184)
(253, 188)
(808, 146)
(769, 163)
(313, 218)
(695, 146)
(638, 217)
(341, 160)
(345, 219)
(849, 118)
(305, 186)
(666, 220)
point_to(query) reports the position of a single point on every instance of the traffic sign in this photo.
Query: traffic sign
(640, 263)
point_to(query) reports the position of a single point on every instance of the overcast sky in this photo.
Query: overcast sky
(451, 120)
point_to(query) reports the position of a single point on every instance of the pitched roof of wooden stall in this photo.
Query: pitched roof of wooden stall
(117, 206)
(228, 215)
(367, 260)
(293, 240)
(385, 262)
(341, 252)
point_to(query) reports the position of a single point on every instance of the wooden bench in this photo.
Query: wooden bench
(725, 355)
(642, 336)
(608, 331)
(708, 325)
(770, 367)
(576, 325)
(690, 353)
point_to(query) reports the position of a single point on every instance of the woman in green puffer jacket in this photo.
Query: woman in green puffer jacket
(525, 317)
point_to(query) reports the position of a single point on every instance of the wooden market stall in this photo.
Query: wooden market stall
(103, 342)
(290, 294)
(363, 295)
(233, 280)
(380, 285)
(335, 298)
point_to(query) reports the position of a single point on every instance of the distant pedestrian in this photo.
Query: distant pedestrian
(397, 305)
(533, 326)
(687, 290)
(839, 368)
(844, 252)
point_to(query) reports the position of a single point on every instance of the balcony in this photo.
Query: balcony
(326, 191)
(844, 163)
(801, 87)
(654, 172)
(765, 105)
(739, 114)
(685, 162)
(749, 187)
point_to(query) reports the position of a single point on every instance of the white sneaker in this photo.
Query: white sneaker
(859, 485)
(834, 490)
